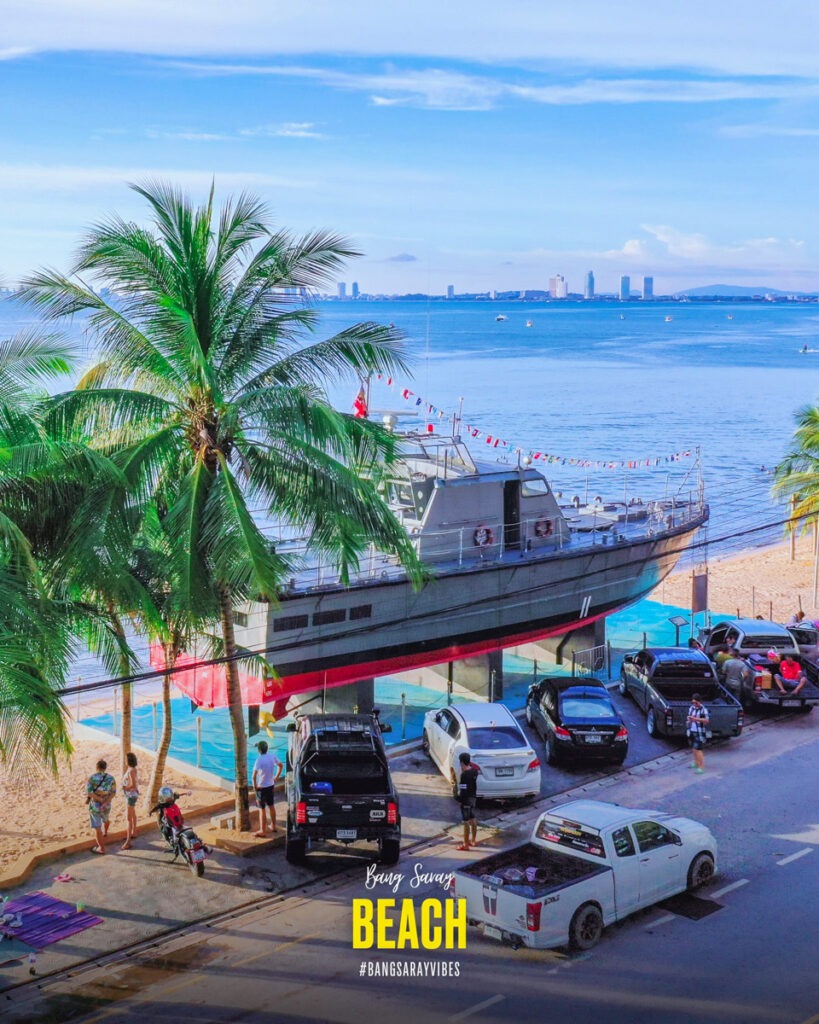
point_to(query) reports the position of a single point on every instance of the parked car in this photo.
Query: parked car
(339, 787)
(753, 639)
(576, 720)
(498, 745)
(662, 681)
(587, 865)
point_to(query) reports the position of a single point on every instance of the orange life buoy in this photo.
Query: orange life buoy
(543, 528)
(483, 536)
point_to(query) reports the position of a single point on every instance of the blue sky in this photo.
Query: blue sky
(477, 144)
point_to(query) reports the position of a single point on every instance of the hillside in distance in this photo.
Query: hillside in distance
(733, 291)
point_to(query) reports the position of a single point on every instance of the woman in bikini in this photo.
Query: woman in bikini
(130, 789)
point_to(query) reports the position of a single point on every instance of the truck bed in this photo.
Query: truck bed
(680, 691)
(554, 870)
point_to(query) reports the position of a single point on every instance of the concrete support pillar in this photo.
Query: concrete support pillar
(344, 699)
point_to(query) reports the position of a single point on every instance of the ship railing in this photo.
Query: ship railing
(490, 541)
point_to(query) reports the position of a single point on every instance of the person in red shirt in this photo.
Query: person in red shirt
(790, 675)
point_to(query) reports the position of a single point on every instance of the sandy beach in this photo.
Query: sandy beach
(54, 811)
(759, 582)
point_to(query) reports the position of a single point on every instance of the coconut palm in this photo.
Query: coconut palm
(797, 475)
(210, 396)
(35, 642)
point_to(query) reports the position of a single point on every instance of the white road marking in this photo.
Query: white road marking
(477, 1008)
(795, 856)
(729, 888)
(661, 920)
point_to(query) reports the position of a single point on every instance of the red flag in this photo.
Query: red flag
(360, 405)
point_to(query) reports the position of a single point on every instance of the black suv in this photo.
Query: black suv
(339, 787)
(576, 720)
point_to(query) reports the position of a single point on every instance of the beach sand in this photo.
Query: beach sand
(762, 582)
(53, 810)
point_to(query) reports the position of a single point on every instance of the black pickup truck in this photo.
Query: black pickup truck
(338, 786)
(662, 680)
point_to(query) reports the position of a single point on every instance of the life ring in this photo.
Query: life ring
(543, 528)
(483, 536)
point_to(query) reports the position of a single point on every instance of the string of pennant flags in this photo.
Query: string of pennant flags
(495, 442)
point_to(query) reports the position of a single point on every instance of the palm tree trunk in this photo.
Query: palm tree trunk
(170, 650)
(237, 719)
(126, 690)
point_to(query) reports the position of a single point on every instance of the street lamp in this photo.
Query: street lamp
(677, 621)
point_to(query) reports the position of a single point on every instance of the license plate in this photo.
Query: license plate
(346, 833)
(504, 772)
(791, 703)
(593, 737)
(197, 856)
(491, 932)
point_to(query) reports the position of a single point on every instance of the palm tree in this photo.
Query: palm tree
(209, 398)
(35, 642)
(797, 475)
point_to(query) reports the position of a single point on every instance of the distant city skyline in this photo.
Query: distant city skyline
(544, 140)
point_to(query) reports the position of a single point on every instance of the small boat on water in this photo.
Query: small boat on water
(508, 563)
(529, 323)
(500, 317)
(622, 316)
(668, 319)
(730, 316)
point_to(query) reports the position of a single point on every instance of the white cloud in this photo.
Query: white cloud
(753, 131)
(716, 35)
(29, 177)
(287, 130)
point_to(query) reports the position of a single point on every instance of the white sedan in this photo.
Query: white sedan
(496, 743)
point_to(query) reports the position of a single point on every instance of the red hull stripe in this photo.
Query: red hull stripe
(343, 674)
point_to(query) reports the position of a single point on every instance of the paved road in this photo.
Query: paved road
(752, 960)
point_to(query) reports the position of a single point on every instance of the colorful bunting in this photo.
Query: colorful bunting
(494, 442)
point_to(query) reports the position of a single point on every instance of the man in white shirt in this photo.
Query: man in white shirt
(266, 773)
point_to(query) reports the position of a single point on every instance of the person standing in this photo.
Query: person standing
(697, 724)
(468, 799)
(130, 790)
(99, 792)
(736, 674)
(266, 773)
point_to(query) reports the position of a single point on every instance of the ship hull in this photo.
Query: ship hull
(388, 627)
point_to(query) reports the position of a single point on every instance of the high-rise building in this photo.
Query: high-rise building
(558, 289)
(342, 290)
(648, 289)
(625, 288)
(450, 291)
(355, 290)
(588, 291)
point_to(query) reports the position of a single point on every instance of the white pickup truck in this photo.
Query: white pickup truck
(587, 865)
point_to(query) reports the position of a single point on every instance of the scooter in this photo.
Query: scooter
(181, 839)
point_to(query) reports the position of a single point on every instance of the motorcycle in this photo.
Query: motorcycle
(181, 839)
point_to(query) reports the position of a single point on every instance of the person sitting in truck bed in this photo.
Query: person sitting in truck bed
(720, 657)
(790, 676)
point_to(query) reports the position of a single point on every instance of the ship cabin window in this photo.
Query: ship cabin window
(361, 611)
(330, 615)
(286, 622)
(534, 487)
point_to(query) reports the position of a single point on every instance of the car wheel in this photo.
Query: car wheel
(586, 927)
(389, 850)
(805, 709)
(529, 712)
(651, 722)
(425, 743)
(618, 761)
(701, 871)
(550, 755)
(622, 687)
(295, 850)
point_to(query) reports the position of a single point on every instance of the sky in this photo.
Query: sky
(475, 144)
